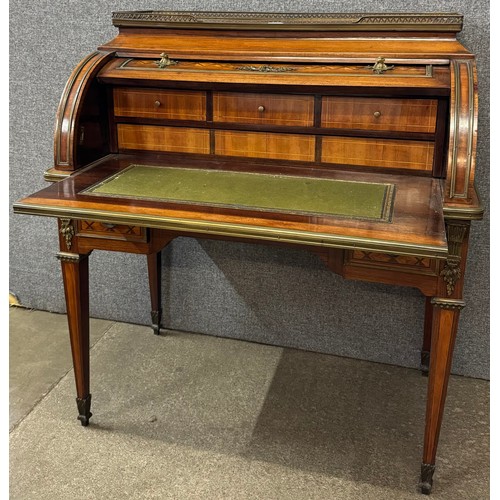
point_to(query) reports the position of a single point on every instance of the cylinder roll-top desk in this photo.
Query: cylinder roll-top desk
(352, 136)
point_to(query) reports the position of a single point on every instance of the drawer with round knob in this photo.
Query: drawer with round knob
(160, 103)
(376, 113)
(265, 109)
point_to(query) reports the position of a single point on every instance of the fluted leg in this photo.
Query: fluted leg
(76, 288)
(444, 330)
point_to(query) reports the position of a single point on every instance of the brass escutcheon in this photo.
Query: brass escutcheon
(165, 61)
(380, 67)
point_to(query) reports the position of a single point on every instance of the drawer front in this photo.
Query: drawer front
(166, 104)
(406, 263)
(122, 232)
(264, 145)
(366, 113)
(387, 153)
(270, 109)
(171, 139)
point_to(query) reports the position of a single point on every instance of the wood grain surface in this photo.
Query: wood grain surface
(387, 153)
(274, 109)
(160, 103)
(152, 138)
(406, 115)
(264, 145)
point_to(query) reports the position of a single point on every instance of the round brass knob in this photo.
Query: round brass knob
(261, 108)
(157, 104)
(377, 114)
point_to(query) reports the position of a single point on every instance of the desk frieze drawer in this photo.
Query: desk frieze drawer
(121, 232)
(265, 109)
(367, 113)
(160, 103)
(391, 262)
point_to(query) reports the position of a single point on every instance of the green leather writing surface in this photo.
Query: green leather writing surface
(251, 191)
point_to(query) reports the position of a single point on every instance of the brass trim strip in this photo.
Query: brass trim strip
(435, 22)
(466, 213)
(241, 230)
(69, 257)
(52, 177)
(448, 303)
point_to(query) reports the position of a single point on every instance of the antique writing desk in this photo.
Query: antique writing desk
(349, 135)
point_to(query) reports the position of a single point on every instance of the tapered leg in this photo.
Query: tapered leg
(426, 344)
(76, 288)
(444, 330)
(154, 273)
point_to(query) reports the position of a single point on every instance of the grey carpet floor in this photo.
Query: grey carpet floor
(186, 416)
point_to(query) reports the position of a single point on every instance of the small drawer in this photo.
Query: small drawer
(298, 147)
(381, 153)
(166, 104)
(168, 139)
(122, 232)
(366, 113)
(270, 109)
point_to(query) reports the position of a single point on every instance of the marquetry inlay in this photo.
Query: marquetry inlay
(95, 229)
(403, 260)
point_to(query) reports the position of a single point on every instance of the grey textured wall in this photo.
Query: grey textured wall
(258, 293)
